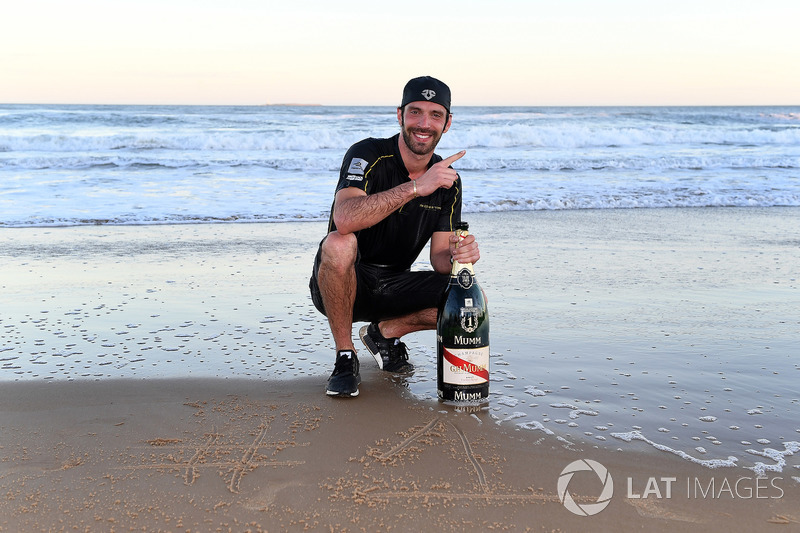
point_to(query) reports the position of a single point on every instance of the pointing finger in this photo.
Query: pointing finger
(453, 158)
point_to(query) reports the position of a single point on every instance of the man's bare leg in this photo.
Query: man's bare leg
(400, 326)
(337, 284)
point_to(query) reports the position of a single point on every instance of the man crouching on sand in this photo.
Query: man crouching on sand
(393, 196)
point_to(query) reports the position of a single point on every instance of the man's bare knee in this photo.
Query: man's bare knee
(339, 251)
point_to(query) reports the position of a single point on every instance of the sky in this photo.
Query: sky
(352, 52)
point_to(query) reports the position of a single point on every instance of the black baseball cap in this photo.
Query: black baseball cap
(427, 89)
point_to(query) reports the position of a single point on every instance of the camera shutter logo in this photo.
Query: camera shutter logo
(586, 509)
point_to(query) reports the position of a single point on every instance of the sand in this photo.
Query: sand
(208, 455)
(172, 379)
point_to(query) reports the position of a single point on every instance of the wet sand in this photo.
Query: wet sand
(171, 378)
(208, 455)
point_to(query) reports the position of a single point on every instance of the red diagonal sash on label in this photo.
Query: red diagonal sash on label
(466, 366)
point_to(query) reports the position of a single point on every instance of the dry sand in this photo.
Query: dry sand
(171, 379)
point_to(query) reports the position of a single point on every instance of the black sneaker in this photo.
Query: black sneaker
(345, 378)
(390, 354)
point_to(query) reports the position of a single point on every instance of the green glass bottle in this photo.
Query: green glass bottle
(462, 335)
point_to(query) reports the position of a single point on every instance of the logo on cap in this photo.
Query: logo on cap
(428, 94)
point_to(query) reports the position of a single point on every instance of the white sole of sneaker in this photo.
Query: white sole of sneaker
(362, 334)
(340, 395)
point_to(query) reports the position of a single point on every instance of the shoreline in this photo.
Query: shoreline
(235, 220)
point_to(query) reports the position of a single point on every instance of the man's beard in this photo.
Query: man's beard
(417, 147)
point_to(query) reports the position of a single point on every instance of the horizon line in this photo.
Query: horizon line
(393, 106)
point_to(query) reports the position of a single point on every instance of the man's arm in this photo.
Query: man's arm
(440, 252)
(443, 247)
(354, 210)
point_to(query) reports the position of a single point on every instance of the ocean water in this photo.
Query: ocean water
(74, 165)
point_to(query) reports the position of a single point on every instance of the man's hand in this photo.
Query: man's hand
(439, 175)
(464, 250)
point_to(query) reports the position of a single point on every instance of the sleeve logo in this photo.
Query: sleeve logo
(357, 166)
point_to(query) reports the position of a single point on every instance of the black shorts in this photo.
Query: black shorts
(383, 294)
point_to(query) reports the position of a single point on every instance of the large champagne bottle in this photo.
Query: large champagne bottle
(462, 334)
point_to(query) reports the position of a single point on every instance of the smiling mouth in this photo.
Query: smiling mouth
(420, 141)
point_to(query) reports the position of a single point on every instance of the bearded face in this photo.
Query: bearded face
(423, 128)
